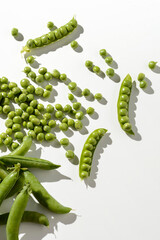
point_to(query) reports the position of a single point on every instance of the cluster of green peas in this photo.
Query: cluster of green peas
(142, 82)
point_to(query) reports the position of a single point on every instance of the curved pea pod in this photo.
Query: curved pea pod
(16, 213)
(52, 36)
(88, 152)
(28, 216)
(123, 105)
(23, 147)
(8, 182)
(28, 162)
(43, 197)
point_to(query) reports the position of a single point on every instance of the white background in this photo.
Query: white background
(121, 199)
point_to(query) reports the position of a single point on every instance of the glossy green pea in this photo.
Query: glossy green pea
(5, 101)
(32, 75)
(109, 60)
(27, 70)
(19, 135)
(58, 107)
(51, 36)
(88, 152)
(9, 123)
(59, 114)
(12, 85)
(152, 64)
(123, 112)
(25, 116)
(35, 121)
(88, 64)
(57, 33)
(16, 90)
(39, 78)
(40, 107)
(11, 114)
(24, 124)
(123, 104)
(69, 27)
(38, 42)
(103, 52)
(72, 86)
(64, 141)
(125, 90)
(63, 126)
(38, 129)
(52, 123)
(74, 44)
(46, 94)
(30, 125)
(63, 77)
(67, 108)
(10, 95)
(49, 137)
(22, 98)
(3, 136)
(65, 120)
(3, 95)
(49, 108)
(86, 92)
(56, 73)
(14, 32)
(71, 122)
(14, 146)
(73, 22)
(124, 97)
(30, 59)
(96, 69)
(30, 43)
(127, 127)
(31, 89)
(141, 76)
(32, 134)
(18, 112)
(143, 84)
(9, 131)
(23, 106)
(6, 109)
(78, 125)
(49, 88)
(90, 110)
(44, 39)
(8, 141)
(42, 70)
(70, 96)
(98, 96)
(76, 105)
(39, 91)
(63, 30)
(48, 76)
(40, 137)
(30, 110)
(46, 128)
(47, 116)
(79, 115)
(4, 87)
(50, 25)
(124, 119)
(34, 103)
(127, 83)
(69, 154)
(110, 72)
(43, 122)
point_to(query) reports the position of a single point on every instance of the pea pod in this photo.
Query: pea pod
(28, 216)
(52, 36)
(23, 147)
(28, 162)
(123, 104)
(8, 182)
(43, 197)
(88, 152)
(16, 213)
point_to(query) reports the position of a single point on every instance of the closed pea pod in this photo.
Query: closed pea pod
(43, 197)
(24, 147)
(123, 104)
(88, 152)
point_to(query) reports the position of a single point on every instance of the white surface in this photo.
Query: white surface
(123, 196)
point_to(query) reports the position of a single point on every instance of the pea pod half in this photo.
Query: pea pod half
(88, 152)
(23, 147)
(123, 105)
(51, 37)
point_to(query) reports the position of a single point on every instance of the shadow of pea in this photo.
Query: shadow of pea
(19, 37)
(79, 49)
(156, 69)
(148, 89)
(116, 78)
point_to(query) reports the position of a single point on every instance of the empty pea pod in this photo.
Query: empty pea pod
(88, 152)
(51, 37)
(123, 104)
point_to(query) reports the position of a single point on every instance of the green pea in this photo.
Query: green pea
(73, 22)
(69, 154)
(31, 117)
(127, 127)
(30, 110)
(79, 115)
(51, 36)
(27, 70)
(52, 123)
(31, 89)
(14, 145)
(40, 107)
(50, 25)
(67, 108)
(4, 87)
(74, 44)
(58, 107)
(17, 119)
(44, 39)
(71, 122)
(19, 135)
(39, 78)
(87, 160)
(109, 60)
(49, 137)
(5, 101)
(127, 83)
(76, 105)
(1, 142)
(30, 59)
(90, 110)
(78, 125)
(25, 116)
(58, 33)
(34, 103)
(4, 80)
(30, 125)
(3, 136)
(35, 121)
(48, 76)
(63, 30)
(65, 120)
(69, 27)
(10, 95)
(4, 95)
(87, 153)
(98, 96)
(24, 124)
(22, 98)
(1, 110)
(152, 64)
(123, 112)
(124, 119)
(23, 106)
(63, 126)
(63, 77)
(43, 122)
(56, 74)
(70, 96)
(38, 42)
(12, 85)
(11, 114)
(84, 174)
(123, 104)
(32, 134)
(125, 90)
(40, 137)
(46, 128)
(42, 70)
(9, 131)
(9, 123)
(86, 92)
(88, 64)
(103, 52)
(30, 43)
(16, 90)
(89, 146)
(49, 88)
(14, 32)
(16, 127)
(64, 141)
(110, 72)
(32, 75)
(8, 141)
(6, 109)
(143, 84)
(96, 69)
(18, 112)
(37, 112)
(58, 114)
(46, 94)
(47, 116)
(30, 97)
(95, 135)
(49, 108)
(141, 76)
(124, 97)
(72, 86)
(39, 91)
(92, 141)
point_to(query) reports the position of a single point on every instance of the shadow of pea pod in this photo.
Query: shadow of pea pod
(103, 143)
